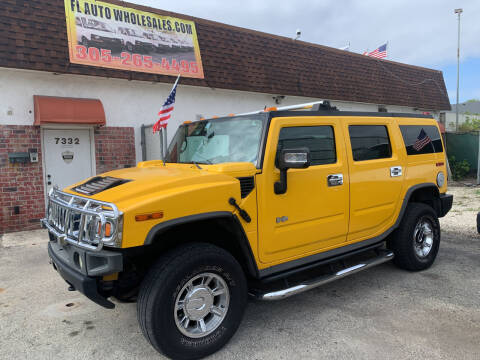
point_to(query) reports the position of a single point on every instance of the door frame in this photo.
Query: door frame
(90, 128)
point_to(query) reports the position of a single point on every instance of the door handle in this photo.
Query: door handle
(395, 171)
(335, 180)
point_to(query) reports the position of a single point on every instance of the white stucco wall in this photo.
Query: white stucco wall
(133, 103)
(451, 116)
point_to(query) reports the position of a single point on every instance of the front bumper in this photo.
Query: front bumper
(446, 201)
(83, 269)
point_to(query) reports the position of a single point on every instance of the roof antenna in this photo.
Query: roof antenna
(299, 33)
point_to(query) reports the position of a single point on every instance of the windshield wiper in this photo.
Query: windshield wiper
(196, 164)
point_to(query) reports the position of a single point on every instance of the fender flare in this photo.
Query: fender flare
(406, 200)
(240, 238)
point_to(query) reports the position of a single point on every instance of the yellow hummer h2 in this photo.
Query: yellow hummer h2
(270, 204)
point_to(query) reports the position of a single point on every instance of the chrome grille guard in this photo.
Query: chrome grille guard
(81, 221)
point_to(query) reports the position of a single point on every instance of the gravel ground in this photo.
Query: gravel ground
(381, 313)
(463, 216)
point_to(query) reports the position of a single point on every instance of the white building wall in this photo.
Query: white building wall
(133, 103)
(451, 117)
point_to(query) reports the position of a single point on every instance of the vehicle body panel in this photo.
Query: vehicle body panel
(312, 215)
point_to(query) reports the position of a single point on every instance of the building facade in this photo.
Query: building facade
(62, 122)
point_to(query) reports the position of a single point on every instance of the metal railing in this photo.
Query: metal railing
(81, 221)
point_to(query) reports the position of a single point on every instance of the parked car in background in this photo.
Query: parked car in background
(161, 43)
(93, 32)
(186, 44)
(135, 41)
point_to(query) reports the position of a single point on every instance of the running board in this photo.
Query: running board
(325, 279)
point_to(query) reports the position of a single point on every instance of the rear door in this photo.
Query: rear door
(311, 216)
(376, 167)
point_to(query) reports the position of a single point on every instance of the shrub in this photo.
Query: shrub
(460, 169)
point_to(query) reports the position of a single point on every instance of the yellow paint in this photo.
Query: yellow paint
(319, 217)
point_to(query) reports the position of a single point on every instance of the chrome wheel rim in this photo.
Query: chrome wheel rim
(201, 305)
(423, 238)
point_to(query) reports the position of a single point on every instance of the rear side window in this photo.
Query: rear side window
(369, 142)
(421, 139)
(320, 140)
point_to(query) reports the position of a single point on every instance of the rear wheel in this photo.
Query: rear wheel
(417, 240)
(192, 301)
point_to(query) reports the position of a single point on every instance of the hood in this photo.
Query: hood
(148, 180)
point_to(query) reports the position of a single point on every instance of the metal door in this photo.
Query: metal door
(67, 156)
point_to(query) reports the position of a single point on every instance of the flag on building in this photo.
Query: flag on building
(380, 52)
(422, 140)
(167, 109)
(346, 47)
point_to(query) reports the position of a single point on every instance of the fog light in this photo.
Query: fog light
(440, 179)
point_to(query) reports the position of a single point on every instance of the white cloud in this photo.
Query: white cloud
(419, 32)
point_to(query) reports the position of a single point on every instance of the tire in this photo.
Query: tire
(85, 41)
(478, 222)
(416, 242)
(166, 284)
(129, 47)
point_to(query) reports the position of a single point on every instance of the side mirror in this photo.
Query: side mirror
(290, 159)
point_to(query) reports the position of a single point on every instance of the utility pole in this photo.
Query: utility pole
(458, 11)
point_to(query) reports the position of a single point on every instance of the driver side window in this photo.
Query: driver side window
(320, 140)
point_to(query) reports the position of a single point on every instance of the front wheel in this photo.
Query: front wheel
(417, 240)
(192, 301)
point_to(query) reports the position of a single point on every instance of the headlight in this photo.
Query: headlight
(440, 179)
(95, 37)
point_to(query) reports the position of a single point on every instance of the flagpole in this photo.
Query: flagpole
(164, 130)
(160, 133)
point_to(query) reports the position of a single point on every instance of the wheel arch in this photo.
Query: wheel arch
(426, 193)
(222, 229)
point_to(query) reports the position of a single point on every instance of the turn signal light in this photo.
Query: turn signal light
(187, 122)
(270, 109)
(152, 216)
(108, 229)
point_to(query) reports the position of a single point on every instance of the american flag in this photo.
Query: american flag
(421, 141)
(167, 109)
(380, 52)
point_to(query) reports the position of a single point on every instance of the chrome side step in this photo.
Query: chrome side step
(325, 279)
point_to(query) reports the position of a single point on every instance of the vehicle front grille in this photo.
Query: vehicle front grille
(247, 184)
(79, 220)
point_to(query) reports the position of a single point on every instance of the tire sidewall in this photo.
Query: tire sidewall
(403, 243)
(172, 341)
(430, 258)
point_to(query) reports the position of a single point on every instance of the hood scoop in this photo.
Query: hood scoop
(99, 184)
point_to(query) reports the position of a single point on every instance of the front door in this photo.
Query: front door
(312, 216)
(68, 157)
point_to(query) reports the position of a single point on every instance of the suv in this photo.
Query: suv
(93, 32)
(269, 204)
(135, 41)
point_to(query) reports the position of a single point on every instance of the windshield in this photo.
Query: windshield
(217, 141)
(98, 25)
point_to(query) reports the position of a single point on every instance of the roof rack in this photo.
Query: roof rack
(312, 106)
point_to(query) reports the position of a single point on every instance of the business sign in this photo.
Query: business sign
(112, 36)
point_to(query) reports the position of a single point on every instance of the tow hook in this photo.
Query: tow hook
(243, 214)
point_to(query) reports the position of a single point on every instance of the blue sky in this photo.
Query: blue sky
(469, 79)
(419, 32)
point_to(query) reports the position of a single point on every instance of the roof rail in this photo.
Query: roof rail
(313, 106)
